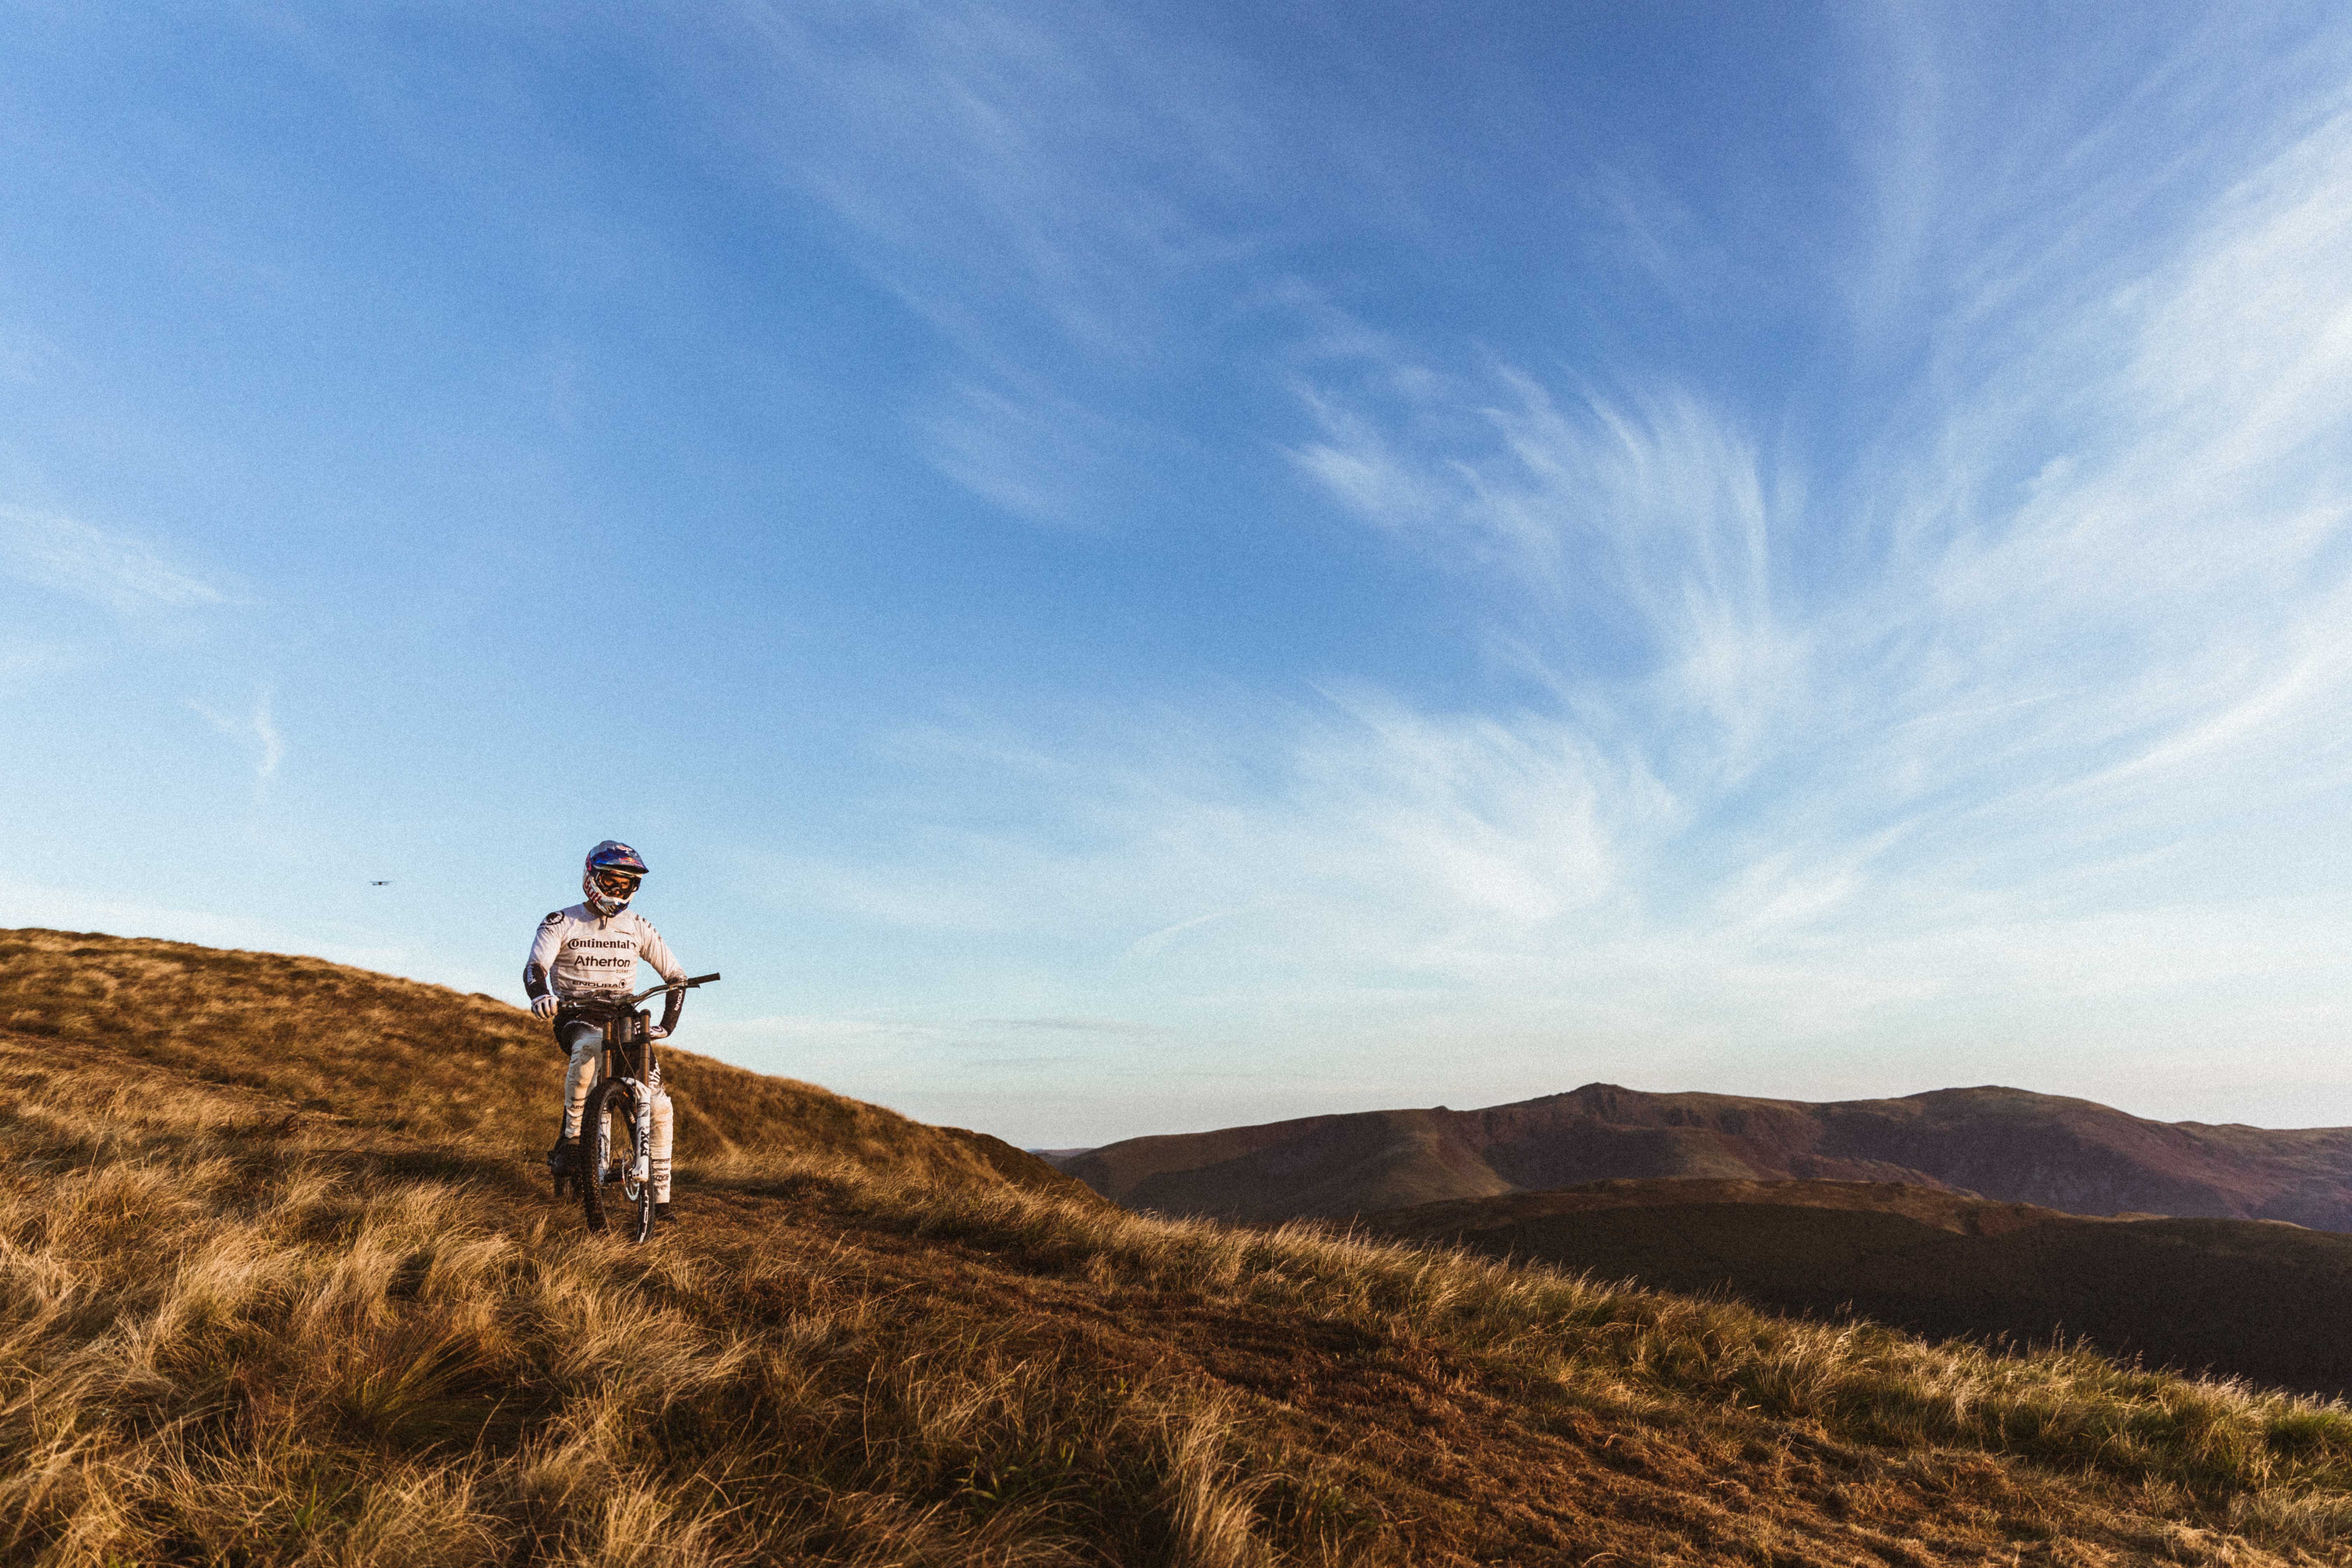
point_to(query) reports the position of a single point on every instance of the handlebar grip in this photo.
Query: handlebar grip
(704, 979)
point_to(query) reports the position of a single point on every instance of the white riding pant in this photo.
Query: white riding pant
(587, 1043)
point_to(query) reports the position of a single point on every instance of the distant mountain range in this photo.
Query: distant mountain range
(2007, 1144)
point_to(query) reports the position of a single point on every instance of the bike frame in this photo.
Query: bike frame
(631, 1059)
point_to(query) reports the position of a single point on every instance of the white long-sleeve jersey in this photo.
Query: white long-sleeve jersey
(577, 952)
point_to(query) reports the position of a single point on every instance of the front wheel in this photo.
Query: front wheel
(613, 1155)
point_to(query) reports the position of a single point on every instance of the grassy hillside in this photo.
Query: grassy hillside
(255, 1323)
(2250, 1299)
(2007, 1143)
(423, 1058)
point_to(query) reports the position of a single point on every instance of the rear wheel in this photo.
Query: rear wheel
(611, 1185)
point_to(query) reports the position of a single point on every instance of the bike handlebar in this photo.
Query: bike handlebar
(670, 985)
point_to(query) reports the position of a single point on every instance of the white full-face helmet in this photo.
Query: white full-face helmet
(610, 877)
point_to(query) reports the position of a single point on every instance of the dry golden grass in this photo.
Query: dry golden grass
(236, 1331)
(224, 1341)
(409, 1058)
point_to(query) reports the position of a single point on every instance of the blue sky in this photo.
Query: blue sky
(1138, 567)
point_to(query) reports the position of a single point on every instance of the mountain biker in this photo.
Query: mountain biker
(590, 951)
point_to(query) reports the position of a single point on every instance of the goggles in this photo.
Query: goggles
(619, 884)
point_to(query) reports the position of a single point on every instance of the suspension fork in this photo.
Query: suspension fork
(642, 1094)
(647, 1086)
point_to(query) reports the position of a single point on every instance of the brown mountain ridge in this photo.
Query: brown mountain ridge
(2007, 1144)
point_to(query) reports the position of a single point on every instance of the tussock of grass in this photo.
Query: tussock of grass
(232, 1335)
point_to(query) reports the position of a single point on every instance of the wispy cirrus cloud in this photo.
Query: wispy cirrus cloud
(1009, 167)
(68, 556)
(2126, 538)
(2005, 719)
(1045, 186)
(1036, 453)
(256, 730)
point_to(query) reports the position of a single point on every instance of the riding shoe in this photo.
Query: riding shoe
(661, 1213)
(563, 1156)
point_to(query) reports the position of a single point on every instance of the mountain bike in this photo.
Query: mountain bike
(628, 1077)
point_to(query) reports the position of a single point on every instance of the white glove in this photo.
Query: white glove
(543, 1005)
(657, 1032)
